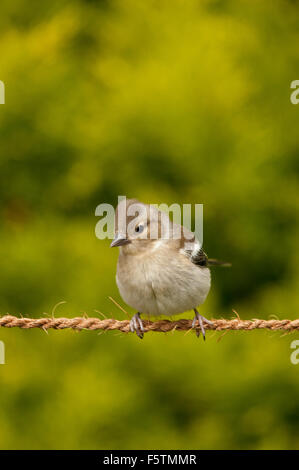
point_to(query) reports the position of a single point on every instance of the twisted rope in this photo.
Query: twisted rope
(81, 323)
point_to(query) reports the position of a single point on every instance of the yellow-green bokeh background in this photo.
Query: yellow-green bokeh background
(166, 101)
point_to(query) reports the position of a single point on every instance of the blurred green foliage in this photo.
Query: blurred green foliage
(168, 101)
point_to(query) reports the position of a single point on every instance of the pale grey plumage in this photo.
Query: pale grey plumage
(161, 280)
(160, 276)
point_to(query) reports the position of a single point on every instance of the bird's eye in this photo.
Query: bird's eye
(139, 228)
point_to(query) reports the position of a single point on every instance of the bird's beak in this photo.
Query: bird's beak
(119, 240)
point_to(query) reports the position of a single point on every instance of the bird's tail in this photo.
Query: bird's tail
(216, 262)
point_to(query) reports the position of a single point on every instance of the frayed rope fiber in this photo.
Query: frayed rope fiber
(81, 323)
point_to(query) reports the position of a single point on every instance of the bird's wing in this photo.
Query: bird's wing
(197, 255)
(193, 249)
(200, 258)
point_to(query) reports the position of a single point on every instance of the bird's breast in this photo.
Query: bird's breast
(158, 284)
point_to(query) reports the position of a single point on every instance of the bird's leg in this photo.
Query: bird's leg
(137, 325)
(198, 317)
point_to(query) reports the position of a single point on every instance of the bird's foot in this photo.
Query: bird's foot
(200, 319)
(136, 325)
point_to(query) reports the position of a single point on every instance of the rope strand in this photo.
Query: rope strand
(80, 323)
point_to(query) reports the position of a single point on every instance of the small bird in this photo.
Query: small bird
(158, 274)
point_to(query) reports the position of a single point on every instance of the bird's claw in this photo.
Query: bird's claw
(136, 325)
(200, 319)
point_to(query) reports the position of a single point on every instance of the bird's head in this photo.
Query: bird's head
(137, 225)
